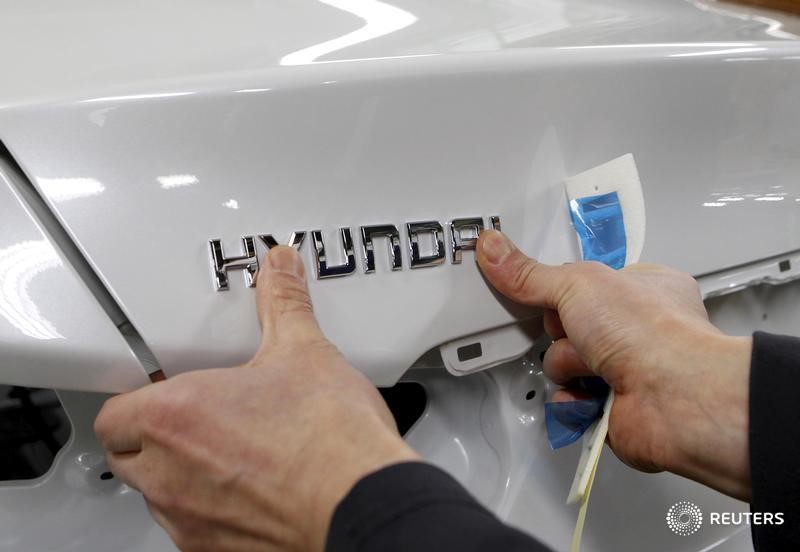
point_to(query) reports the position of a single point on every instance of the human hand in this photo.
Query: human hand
(255, 457)
(681, 386)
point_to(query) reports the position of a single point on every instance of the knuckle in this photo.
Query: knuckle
(162, 492)
(193, 537)
(155, 416)
(163, 499)
(681, 279)
(183, 542)
(668, 271)
(167, 407)
(323, 347)
(642, 267)
(594, 269)
(586, 275)
(154, 496)
(290, 294)
(551, 366)
(522, 276)
(190, 543)
(690, 282)
(313, 351)
(185, 539)
(102, 426)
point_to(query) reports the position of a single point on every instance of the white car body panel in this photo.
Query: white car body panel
(151, 128)
(53, 332)
(395, 141)
(55, 51)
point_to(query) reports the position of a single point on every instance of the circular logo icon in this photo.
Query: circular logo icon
(684, 518)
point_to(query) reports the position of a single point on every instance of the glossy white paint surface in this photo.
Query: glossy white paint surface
(53, 332)
(229, 121)
(151, 128)
(54, 50)
(772, 271)
(143, 183)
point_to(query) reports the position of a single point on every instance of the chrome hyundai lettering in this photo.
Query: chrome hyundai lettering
(324, 269)
(295, 240)
(462, 233)
(222, 264)
(388, 231)
(458, 242)
(427, 227)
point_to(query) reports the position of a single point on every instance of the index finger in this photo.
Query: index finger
(118, 424)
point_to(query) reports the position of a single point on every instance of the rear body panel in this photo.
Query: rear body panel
(142, 183)
(150, 130)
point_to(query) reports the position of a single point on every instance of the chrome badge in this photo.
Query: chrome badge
(459, 235)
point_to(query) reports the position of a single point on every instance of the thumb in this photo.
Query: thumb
(284, 306)
(519, 277)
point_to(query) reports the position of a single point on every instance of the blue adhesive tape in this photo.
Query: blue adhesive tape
(567, 421)
(600, 227)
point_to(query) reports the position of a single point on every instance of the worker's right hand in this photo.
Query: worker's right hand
(681, 385)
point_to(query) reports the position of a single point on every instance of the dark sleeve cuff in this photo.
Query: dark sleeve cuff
(775, 439)
(416, 506)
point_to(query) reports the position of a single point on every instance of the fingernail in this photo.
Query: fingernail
(285, 259)
(496, 246)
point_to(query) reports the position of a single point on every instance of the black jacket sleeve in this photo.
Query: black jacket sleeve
(775, 439)
(418, 507)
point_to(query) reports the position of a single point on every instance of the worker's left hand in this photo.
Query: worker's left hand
(255, 457)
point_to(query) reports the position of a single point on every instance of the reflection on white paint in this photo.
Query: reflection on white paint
(131, 97)
(380, 19)
(660, 45)
(377, 58)
(731, 198)
(769, 198)
(231, 204)
(463, 451)
(251, 90)
(63, 189)
(720, 199)
(170, 181)
(745, 59)
(724, 51)
(19, 264)
(774, 27)
(99, 116)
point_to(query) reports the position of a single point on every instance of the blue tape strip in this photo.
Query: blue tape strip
(599, 224)
(601, 229)
(567, 421)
